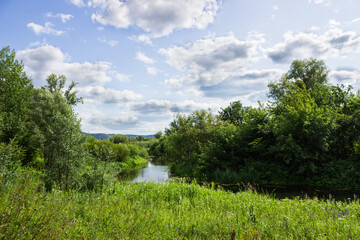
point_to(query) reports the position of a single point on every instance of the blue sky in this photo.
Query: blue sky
(140, 62)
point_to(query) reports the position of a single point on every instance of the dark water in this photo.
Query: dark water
(151, 173)
(160, 173)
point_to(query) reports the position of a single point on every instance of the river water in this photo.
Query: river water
(160, 173)
(151, 173)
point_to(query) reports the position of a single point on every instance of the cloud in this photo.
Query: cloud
(114, 123)
(332, 43)
(212, 60)
(78, 3)
(44, 60)
(165, 106)
(157, 17)
(123, 77)
(346, 77)
(142, 57)
(333, 23)
(64, 17)
(142, 38)
(108, 95)
(248, 83)
(325, 2)
(46, 29)
(152, 71)
(111, 43)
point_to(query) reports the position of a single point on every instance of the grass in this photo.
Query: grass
(172, 210)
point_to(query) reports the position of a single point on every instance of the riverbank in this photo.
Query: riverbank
(169, 211)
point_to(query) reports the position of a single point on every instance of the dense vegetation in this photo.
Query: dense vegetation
(40, 130)
(169, 211)
(308, 134)
(57, 183)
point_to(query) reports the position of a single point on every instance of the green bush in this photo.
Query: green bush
(11, 156)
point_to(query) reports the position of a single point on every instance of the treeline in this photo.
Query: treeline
(307, 134)
(39, 131)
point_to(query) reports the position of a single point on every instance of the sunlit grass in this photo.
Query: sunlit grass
(169, 211)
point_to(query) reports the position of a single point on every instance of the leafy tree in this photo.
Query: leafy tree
(302, 73)
(118, 138)
(184, 139)
(158, 135)
(56, 83)
(234, 113)
(56, 132)
(15, 97)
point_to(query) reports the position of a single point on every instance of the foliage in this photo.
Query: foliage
(15, 98)
(118, 138)
(56, 132)
(11, 156)
(310, 129)
(169, 211)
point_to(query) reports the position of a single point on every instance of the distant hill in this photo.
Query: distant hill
(102, 136)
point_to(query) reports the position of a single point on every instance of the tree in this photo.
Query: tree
(15, 96)
(56, 132)
(234, 113)
(56, 83)
(302, 73)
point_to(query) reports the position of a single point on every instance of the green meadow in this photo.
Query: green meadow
(173, 210)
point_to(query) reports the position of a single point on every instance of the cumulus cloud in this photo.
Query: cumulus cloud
(157, 17)
(143, 58)
(332, 43)
(46, 29)
(103, 95)
(165, 106)
(44, 60)
(249, 83)
(64, 17)
(212, 60)
(346, 77)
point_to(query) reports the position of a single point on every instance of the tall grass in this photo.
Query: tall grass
(172, 210)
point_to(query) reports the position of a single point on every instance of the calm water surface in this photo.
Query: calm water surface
(151, 173)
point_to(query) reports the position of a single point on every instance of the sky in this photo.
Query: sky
(138, 63)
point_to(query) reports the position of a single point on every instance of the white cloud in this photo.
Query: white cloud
(111, 43)
(123, 77)
(346, 77)
(333, 23)
(78, 3)
(325, 2)
(355, 20)
(332, 43)
(212, 60)
(46, 29)
(165, 106)
(100, 94)
(142, 38)
(314, 28)
(152, 71)
(157, 17)
(275, 7)
(64, 17)
(44, 60)
(143, 58)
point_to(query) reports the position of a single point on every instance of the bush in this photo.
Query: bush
(11, 156)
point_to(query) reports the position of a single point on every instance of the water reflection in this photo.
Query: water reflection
(151, 173)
